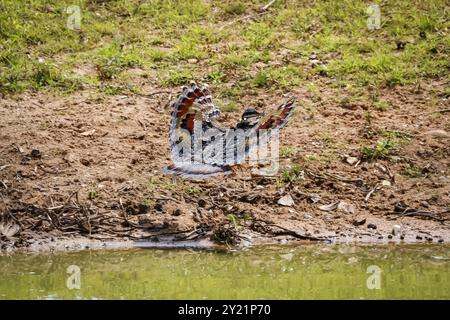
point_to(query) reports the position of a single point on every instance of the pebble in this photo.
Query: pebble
(371, 226)
(396, 229)
(286, 201)
(351, 160)
(346, 207)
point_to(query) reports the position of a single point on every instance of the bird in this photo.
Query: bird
(201, 147)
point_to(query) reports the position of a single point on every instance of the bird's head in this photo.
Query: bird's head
(250, 116)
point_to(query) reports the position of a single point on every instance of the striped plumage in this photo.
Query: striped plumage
(195, 110)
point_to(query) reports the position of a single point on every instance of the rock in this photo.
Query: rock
(9, 229)
(201, 203)
(418, 237)
(35, 153)
(313, 198)
(85, 162)
(70, 157)
(314, 62)
(371, 226)
(88, 133)
(424, 204)
(192, 61)
(286, 201)
(351, 160)
(386, 183)
(159, 206)
(396, 229)
(346, 207)
(359, 222)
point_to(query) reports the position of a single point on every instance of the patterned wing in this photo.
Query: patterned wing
(190, 106)
(194, 110)
(274, 121)
(280, 117)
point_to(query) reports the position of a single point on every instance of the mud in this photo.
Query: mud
(85, 171)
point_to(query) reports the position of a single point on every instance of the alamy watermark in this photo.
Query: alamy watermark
(74, 19)
(374, 280)
(374, 19)
(227, 147)
(74, 279)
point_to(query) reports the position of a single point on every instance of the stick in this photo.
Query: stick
(267, 6)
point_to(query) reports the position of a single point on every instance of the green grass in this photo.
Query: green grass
(292, 174)
(383, 149)
(38, 51)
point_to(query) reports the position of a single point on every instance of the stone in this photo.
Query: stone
(286, 201)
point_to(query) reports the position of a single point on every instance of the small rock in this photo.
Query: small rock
(346, 207)
(314, 62)
(201, 203)
(359, 222)
(386, 183)
(192, 61)
(286, 201)
(85, 162)
(419, 237)
(159, 206)
(371, 226)
(396, 229)
(70, 157)
(88, 133)
(35, 153)
(351, 160)
(176, 212)
(424, 204)
(313, 198)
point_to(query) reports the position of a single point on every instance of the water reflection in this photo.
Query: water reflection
(286, 272)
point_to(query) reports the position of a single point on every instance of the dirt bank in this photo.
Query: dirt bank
(89, 167)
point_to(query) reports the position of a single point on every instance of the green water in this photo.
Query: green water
(276, 272)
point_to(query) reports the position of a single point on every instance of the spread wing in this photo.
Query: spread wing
(194, 110)
(190, 106)
(268, 124)
(278, 118)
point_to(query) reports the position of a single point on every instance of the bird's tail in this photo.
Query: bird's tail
(197, 171)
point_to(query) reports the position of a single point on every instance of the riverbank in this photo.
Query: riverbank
(88, 169)
(85, 113)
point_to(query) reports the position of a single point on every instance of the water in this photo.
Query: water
(274, 272)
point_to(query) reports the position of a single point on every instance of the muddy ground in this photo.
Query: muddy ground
(85, 170)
